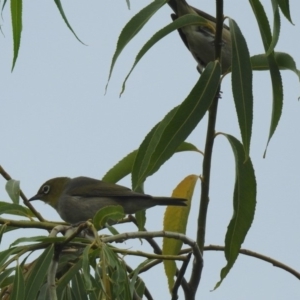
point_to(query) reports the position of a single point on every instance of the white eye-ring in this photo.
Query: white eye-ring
(46, 189)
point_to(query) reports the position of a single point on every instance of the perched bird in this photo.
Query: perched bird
(78, 199)
(199, 39)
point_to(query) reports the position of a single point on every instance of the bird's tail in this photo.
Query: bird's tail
(171, 201)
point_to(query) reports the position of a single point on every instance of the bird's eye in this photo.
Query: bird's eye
(46, 189)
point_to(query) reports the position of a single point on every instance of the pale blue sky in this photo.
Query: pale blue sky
(56, 121)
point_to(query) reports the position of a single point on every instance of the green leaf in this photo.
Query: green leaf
(242, 84)
(38, 273)
(4, 255)
(165, 138)
(43, 239)
(2, 231)
(244, 202)
(276, 27)
(185, 20)
(132, 28)
(124, 166)
(60, 8)
(67, 294)
(285, 8)
(111, 212)
(65, 279)
(86, 268)
(16, 18)
(18, 292)
(175, 220)
(283, 60)
(5, 275)
(121, 169)
(13, 189)
(277, 88)
(135, 280)
(15, 209)
(141, 218)
(78, 288)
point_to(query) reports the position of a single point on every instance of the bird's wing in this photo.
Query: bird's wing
(173, 5)
(89, 187)
(182, 35)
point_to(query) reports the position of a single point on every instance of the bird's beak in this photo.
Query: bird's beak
(36, 197)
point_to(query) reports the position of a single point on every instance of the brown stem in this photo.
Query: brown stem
(210, 135)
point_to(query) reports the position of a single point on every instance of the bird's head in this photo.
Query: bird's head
(51, 190)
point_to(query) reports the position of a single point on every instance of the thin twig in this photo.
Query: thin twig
(25, 200)
(180, 275)
(270, 260)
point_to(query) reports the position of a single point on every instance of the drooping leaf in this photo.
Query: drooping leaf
(185, 20)
(283, 60)
(132, 28)
(124, 166)
(175, 220)
(78, 287)
(18, 292)
(244, 202)
(16, 18)
(61, 10)
(163, 140)
(242, 84)
(285, 8)
(277, 88)
(38, 273)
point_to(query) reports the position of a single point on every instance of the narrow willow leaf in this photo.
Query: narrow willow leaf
(277, 88)
(121, 169)
(2, 231)
(124, 166)
(283, 60)
(86, 268)
(60, 8)
(244, 202)
(134, 279)
(5, 275)
(111, 212)
(178, 23)
(67, 294)
(67, 277)
(78, 287)
(16, 18)
(15, 209)
(3, 5)
(132, 28)
(4, 255)
(18, 292)
(276, 27)
(242, 84)
(38, 273)
(41, 238)
(13, 189)
(163, 140)
(285, 8)
(175, 220)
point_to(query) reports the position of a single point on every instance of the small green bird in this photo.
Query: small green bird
(78, 199)
(199, 39)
